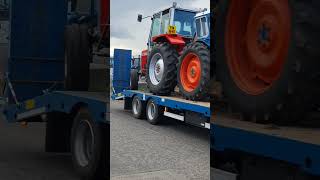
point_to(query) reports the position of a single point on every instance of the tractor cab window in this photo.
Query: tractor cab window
(183, 20)
(165, 21)
(155, 29)
(202, 27)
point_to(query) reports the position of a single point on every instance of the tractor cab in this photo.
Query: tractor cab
(202, 26)
(171, 22)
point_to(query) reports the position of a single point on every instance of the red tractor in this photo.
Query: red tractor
(143, 62)
(267, 57)
(171, 30)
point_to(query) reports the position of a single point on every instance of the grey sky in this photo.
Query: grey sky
(127, 33)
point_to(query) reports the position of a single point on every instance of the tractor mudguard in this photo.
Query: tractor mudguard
(172, 39)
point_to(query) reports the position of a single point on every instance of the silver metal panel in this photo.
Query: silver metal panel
(31, 113)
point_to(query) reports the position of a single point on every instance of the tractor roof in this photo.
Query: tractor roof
(203, 13)
(178, 8)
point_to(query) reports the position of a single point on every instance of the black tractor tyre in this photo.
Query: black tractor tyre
(134, 79)
(201, 92)
(290, 96)
(138, 108)
(77, 57)
(58, 130)
(169, 78)
(156, 115)
(90, 146)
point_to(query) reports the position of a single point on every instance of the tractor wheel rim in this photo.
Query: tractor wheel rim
(84, 143)
(151, 111)
(156, 69)
(257, 42)
(135, 106)
(190, 72)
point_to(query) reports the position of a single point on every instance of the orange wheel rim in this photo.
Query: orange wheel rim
(190, 72)
(257, 42)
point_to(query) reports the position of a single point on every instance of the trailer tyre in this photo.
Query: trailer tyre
(134, 79)
(89, 146)
(138, 108)
(154, 112)
(161, 69)
(194, 71)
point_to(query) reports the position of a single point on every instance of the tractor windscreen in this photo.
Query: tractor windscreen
(183, 20)
(202, 26)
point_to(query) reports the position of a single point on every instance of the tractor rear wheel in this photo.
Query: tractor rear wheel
(194, 71)
(134, 79)
(266, 56)
(77, 57)
(161, 69)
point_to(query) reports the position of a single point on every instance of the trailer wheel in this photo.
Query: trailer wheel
(194, 71)
(138, 108)
(89, 146)
(154, 112)
(134, 79)
(161, 69)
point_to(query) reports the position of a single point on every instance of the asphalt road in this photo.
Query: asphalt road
(171, 150)
(22, 155)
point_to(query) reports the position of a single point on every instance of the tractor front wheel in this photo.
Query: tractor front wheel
(266, 56)
(194, 71)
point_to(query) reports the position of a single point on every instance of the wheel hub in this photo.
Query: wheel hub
(264, 38)
(193, 72)
(156, 69)
(190, 72)
(84, 143)
(257, 51)
(151, 111)
(136, 105)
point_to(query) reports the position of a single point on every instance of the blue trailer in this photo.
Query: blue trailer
(48, 77)
(245, 150)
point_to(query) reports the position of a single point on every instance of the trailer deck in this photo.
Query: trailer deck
(173, 102)
(201, 110)
(62, 101)
(296, 145)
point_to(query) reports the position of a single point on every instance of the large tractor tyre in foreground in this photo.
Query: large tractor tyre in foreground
(89, 146)
(194, 71)
(161, 69)
(77, 57)
(266, 53)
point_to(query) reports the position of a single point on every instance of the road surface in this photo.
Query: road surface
(22, 155)
(171, 150)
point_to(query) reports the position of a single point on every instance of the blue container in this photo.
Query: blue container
(36, 53)
(121, 70)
